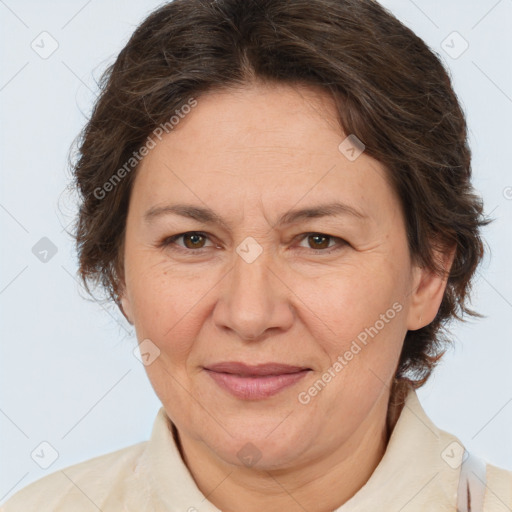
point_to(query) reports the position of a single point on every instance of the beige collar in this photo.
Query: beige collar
(418, 472)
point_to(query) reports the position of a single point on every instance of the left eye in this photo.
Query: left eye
(320, 241)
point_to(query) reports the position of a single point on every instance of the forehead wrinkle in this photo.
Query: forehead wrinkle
(208, 216)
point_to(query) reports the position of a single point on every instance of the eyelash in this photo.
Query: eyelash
(169, 241)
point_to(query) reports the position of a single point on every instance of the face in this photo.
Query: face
(252, 238)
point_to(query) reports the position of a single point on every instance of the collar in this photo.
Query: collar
(419, 470)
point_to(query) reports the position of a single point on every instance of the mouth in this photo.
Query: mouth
(255, 382)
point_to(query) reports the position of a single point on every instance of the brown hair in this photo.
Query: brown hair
(392, 91)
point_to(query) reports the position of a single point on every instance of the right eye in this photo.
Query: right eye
(192, 241)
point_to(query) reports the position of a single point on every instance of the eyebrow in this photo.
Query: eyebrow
(208, 216)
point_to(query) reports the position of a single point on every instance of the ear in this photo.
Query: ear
(126, 306)
(428, 290)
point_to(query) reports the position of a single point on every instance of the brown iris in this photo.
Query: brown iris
(321, 241)
(196, 240)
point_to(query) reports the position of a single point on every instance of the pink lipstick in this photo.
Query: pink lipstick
(257, 382)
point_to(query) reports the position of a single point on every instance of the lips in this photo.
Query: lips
(255, 382)
(259, 370)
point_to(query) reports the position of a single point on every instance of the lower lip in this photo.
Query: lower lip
(256, 388)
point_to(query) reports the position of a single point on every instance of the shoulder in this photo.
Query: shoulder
(498, 493)
(84, 486)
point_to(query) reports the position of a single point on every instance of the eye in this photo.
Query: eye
(322, 242)
(194, 240)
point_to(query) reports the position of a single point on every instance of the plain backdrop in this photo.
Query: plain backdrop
(67, 372)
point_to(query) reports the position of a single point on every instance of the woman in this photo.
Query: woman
(277, 195)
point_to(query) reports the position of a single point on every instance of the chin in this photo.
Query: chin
(268, 444)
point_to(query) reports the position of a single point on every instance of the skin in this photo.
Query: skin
(251, 155)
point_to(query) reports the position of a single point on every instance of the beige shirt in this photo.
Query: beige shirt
(419, 472)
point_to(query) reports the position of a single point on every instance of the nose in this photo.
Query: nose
(253, 300)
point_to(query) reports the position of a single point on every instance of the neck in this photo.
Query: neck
(322, 484)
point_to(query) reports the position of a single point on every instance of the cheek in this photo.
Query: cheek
(346, 302)
(358, 323)
(167, 304)
(362, 348)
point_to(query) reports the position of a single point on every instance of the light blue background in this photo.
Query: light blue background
(68, 375)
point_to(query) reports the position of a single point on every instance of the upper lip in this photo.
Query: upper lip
(243, 369)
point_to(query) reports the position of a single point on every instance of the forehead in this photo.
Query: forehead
(261, 145)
